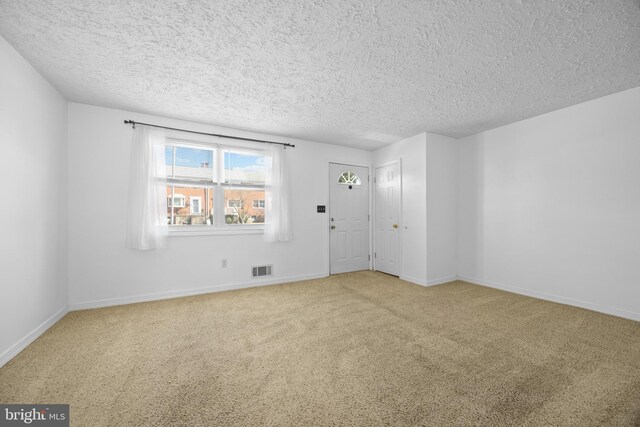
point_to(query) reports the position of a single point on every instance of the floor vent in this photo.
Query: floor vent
(261, 270)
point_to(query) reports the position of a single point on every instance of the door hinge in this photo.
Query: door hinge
(368, 217)
(369, 257)
(368, 178)
(374, 179)
(375, 255)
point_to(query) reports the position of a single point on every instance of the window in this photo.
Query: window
(194, 205)
(244, 177)
(220, 183)
(349, 177)
(178, 201)
(258, 204)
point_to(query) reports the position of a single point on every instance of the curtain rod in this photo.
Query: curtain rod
(134, 123)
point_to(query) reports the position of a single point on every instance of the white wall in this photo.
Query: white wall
(547, 207)
(442, 189)
(33, 123)
(550, 206)
(102, 271)
(413, 226)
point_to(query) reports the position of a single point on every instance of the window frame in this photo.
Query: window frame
(191, 199)
(253, 204)
(218, 185)
(171, 201)
(229, 206)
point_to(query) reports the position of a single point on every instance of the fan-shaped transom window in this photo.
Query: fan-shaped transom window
(349, 177)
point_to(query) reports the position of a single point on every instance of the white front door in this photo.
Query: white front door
(387, 219)
(348, 218)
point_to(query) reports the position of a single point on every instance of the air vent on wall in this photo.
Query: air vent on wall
(261, 270)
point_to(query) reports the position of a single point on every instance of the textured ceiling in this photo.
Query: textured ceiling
(360, 73)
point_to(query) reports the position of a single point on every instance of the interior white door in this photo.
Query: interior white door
(349, 218)
(387, 219)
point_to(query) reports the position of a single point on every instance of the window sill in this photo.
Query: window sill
(209, 231)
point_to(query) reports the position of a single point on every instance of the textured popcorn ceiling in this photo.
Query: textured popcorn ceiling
(361, 73)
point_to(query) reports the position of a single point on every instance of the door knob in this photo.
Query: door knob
(395, 225)
(333, 227)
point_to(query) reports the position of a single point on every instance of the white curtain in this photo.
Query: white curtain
(277, 227)
(147, 211)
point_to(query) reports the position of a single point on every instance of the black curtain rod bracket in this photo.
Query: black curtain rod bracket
(134, 123)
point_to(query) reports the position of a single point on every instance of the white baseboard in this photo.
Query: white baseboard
(442, 280)
(554, 298)
(12, 351)
(109, 302)
(431, 282)
(415, 280)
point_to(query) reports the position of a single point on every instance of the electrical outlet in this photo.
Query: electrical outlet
(224, 263)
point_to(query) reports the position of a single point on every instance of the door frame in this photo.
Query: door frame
(400, 222)
(328, 216)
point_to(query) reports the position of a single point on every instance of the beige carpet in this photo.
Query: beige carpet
(353, 349)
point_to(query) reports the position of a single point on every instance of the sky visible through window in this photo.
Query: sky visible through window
(195, 158)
